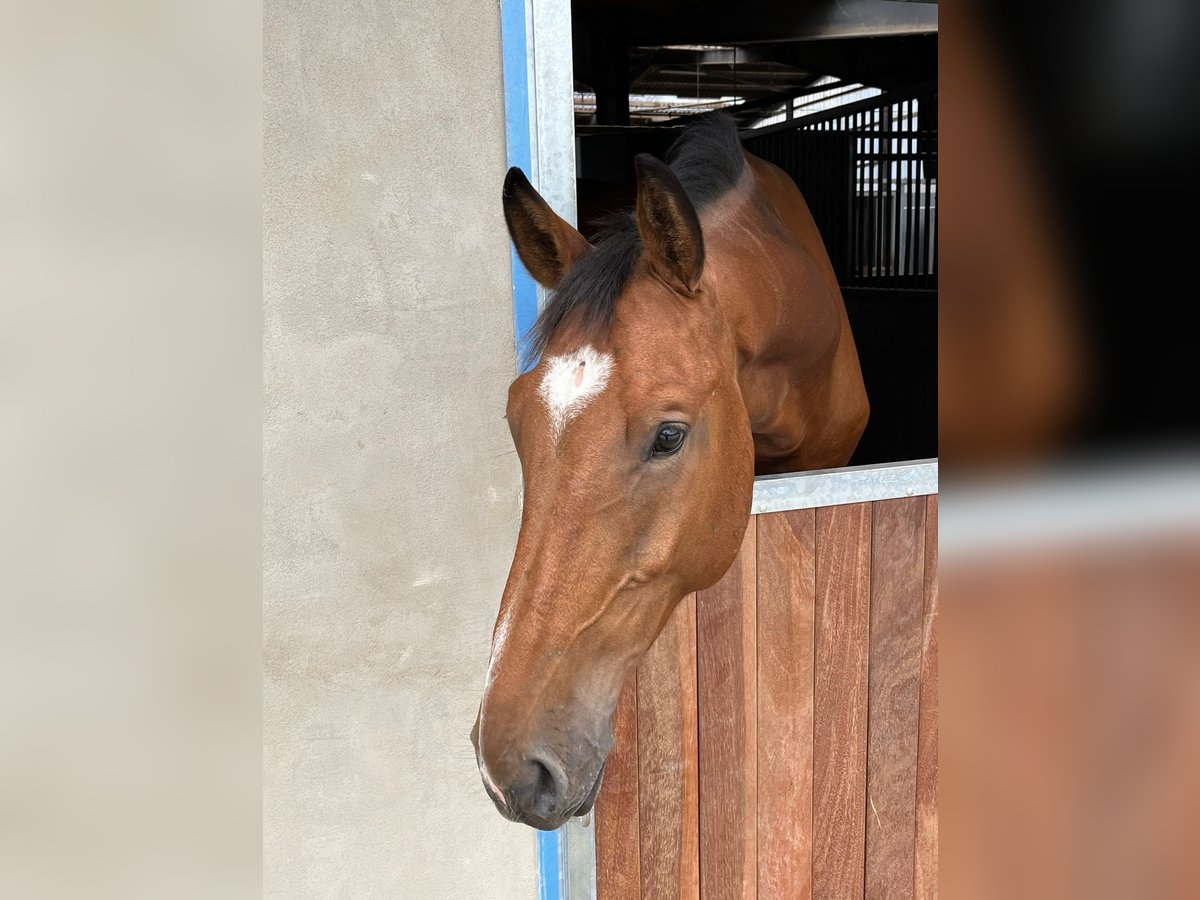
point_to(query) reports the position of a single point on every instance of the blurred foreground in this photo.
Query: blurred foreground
(1070, 685)
(1070, 515)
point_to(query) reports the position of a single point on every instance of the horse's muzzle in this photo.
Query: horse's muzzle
(535, 788)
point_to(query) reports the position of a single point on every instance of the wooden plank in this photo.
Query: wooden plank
(617, 837)
(897, 604)
(842, 623)
(726, 685)
(925, 875)
(786, 593)
(669, 776)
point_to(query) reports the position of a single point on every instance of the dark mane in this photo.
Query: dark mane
(707, 159)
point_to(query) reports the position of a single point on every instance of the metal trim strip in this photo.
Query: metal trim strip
(853, 484)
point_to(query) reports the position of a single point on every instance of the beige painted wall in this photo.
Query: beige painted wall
(390, 491)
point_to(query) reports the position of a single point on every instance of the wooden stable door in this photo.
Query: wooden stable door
(779, 740)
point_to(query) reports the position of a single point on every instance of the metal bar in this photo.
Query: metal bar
(553, 124)
(927, 239)
(577, 858)
(904, 178)
(929, 201)
(880, 200)
(930, 205)
(835, 487)
(877, 199)
(552, 109)
(885, 188)
(869, 171)
(848, 236)
(904, 208)
(896, 183)
(926, 212)
(857, 207)
(917, 214)
(934, 237)
(911, 250)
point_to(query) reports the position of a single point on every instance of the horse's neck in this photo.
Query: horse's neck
(782, 305)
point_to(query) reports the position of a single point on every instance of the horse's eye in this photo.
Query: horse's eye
(668, 440)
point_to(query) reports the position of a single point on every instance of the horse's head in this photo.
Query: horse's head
(638, 467)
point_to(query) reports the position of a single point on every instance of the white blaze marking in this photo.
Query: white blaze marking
(571, 382)
(498, 642)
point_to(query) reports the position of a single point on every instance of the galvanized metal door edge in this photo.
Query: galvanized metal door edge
(852, 484)
(539, 128)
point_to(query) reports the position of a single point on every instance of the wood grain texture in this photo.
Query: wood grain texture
(843, 559)
(897, 604)
(727, 691)
(780, 738)
(925, 875)
(786, 596)
(669, 776)
(617, 838)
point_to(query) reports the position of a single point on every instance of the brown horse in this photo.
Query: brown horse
(701, 339)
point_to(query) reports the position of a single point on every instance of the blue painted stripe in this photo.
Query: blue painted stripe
(520, 153)
(549, 871)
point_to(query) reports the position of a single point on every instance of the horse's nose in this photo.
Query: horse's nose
(535, 792)
(527, 784)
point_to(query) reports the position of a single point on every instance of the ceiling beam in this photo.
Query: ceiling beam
(692, 22)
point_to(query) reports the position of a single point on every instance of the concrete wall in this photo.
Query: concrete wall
(390, 491)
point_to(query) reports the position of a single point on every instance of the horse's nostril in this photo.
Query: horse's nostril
(546, 787)
(536, 794)
(549, 782)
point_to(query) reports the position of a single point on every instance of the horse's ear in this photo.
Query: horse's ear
(547, 245)
(667, 222)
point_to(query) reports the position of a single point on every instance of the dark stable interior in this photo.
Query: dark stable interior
(866, 161)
